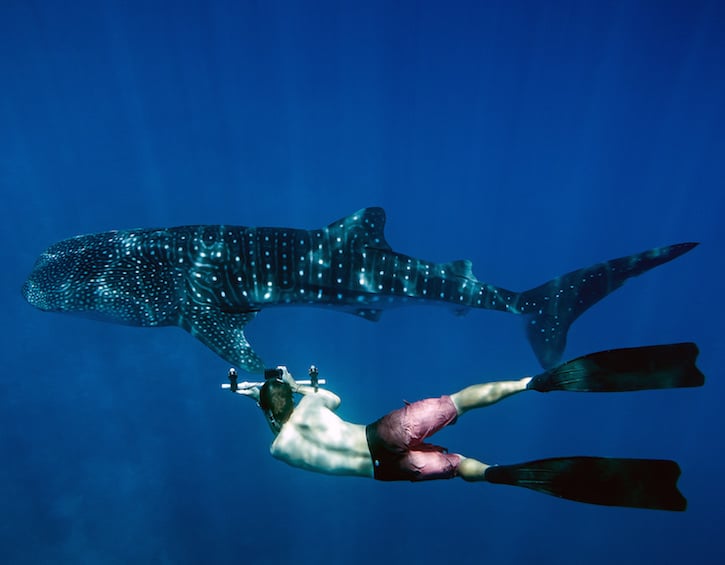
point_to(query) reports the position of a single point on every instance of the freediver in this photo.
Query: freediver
(312, 436)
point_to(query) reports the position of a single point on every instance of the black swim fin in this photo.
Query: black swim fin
(634, 483)
(619, 370)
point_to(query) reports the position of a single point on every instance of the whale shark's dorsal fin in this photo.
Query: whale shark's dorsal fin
(366, 226)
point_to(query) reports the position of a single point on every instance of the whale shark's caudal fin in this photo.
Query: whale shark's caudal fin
(552, 307)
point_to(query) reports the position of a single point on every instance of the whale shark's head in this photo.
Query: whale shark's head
(109, 276)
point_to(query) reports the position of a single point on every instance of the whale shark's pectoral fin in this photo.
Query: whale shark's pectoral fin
(223, 333)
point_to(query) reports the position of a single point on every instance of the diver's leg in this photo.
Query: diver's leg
(472, 470)
(485, 394)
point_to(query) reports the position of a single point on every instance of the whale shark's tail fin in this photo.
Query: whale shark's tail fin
(552, 307)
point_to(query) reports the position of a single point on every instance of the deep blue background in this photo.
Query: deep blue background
(530, 137)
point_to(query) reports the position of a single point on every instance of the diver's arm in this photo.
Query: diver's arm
(329, 399)
(252, 392)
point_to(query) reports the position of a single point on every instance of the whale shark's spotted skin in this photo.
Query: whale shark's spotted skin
(212, 280)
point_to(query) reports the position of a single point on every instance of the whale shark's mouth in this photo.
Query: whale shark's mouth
(32, 293)
(39, 290)
(32, 289)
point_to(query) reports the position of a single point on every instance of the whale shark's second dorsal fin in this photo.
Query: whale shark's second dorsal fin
(462, 268)
(366, 227)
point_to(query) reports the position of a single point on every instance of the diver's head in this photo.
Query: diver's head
(275, 400)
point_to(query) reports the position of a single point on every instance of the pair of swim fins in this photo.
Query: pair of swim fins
(636, 483)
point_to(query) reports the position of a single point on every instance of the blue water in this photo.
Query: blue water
(531, 138)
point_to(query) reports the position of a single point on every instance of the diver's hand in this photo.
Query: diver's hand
(251, 391)
(288, 378)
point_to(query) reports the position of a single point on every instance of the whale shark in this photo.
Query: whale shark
(212, 280)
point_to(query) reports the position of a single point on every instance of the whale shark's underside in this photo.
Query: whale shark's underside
(212, 280)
